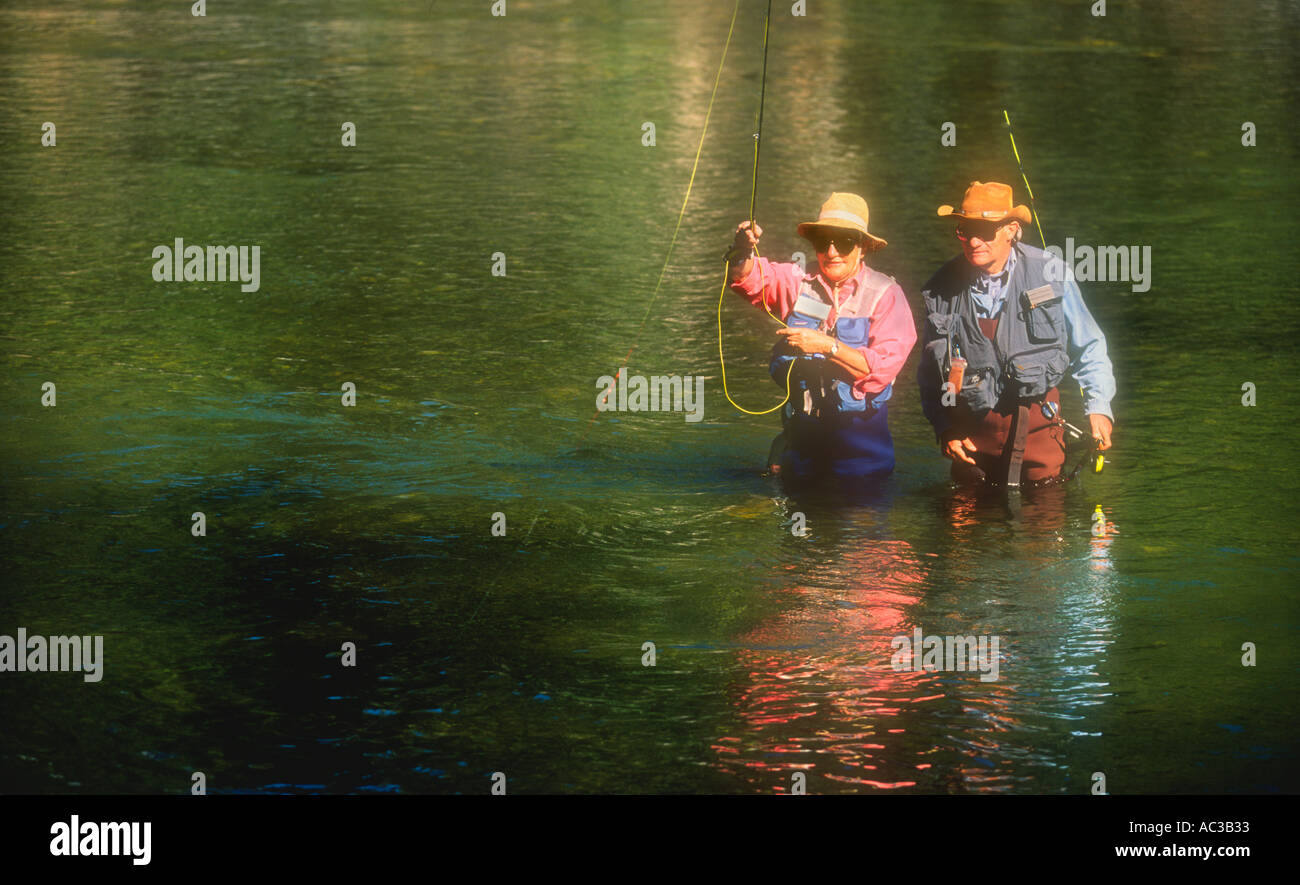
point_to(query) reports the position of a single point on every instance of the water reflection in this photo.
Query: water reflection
(818, 693)
(836, 709)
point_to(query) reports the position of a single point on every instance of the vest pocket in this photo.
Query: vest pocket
(939, 325)
(845, 400)
(801, 321)
(1046, 322)
(852, 331)
(1033, 374)
(979, 391)
(938, 335)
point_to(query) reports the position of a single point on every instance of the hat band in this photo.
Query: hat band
(843, 216)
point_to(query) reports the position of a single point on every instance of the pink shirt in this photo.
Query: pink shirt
(892, 333)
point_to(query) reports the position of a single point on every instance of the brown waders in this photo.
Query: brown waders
(1014, 444)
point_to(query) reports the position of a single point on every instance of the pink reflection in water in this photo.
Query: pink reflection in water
(819, 682)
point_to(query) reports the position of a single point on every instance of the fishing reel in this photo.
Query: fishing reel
(1052, 411)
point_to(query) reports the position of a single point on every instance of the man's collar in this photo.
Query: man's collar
(1005, 273)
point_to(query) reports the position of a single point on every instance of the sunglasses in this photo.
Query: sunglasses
(844, 243)
(982, 230)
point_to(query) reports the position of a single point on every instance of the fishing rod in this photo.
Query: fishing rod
(677, 227)
(758, 131)
(753, 201)
(1032, 209)
(1052, 410)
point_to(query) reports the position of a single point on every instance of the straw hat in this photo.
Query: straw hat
(847, 212)
(988, 201)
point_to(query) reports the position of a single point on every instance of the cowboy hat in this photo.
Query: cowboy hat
(988, 201)
(847, 212)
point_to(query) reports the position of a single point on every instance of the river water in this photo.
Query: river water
(476, 653)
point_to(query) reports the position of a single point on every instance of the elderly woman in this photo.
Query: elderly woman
(848, 332)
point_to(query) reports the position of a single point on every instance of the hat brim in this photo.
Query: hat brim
(871, 242)
(1019, 213)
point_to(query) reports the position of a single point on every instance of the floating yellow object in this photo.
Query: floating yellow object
(1099, 463)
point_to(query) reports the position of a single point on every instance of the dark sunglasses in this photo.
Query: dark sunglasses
(983, 230)
(844, 243)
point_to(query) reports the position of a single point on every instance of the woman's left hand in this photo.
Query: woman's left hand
(807, 340)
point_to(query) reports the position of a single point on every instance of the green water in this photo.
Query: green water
(523, 654)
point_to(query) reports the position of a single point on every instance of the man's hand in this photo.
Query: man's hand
(806, 340)
(956, 449)
(1101, 428)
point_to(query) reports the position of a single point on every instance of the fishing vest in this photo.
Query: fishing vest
(1027, 356)
(816, 389)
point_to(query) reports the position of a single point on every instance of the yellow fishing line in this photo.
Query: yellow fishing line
(1007, 117)
(726, 279)
(696, 165)
(726, 271)
(677, 228)
(681, 213)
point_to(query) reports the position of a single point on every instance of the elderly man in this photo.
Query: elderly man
(1004, 324)
(849, 331)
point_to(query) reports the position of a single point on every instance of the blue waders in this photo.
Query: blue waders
(828, 431)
